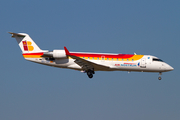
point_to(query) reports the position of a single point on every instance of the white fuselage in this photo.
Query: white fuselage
(145, 64)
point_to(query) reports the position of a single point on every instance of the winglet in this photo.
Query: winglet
(66, 50)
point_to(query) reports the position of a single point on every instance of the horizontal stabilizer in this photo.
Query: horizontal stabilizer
(16, 34)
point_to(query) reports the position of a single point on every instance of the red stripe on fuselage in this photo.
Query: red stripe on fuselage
(123, 56)
(32, 53)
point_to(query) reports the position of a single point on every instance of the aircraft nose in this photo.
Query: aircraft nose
(170, 68)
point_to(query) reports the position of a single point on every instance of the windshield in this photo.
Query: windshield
(157, 59)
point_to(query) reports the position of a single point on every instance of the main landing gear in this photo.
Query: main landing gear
(159, 78)
(90, 73)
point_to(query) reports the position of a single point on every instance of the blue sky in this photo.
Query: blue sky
(32, 91)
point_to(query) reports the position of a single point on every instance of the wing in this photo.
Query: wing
(85, 64)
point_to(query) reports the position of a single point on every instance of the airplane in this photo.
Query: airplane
(89, 62)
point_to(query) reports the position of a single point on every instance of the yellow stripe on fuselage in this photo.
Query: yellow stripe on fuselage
(32, 56)
(134, 58)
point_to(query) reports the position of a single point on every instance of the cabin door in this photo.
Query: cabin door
(143, 62)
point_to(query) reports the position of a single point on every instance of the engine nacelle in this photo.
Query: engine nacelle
(59, 54)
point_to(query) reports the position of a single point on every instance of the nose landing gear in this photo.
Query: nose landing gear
(159, 78)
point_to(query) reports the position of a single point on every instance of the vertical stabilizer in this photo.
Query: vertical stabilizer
(25, 42)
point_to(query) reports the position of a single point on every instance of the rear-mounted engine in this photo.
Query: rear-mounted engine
(59, 54)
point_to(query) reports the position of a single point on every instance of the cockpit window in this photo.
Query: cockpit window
(156, 59)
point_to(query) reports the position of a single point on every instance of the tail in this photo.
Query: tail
(26, 44)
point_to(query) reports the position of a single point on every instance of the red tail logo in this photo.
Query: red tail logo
(27, 46)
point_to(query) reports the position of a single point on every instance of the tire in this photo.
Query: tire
(90, 76)
(89, 73)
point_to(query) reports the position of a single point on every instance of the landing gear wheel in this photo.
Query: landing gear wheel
(159, 78)
(90, 73)
(90, 76)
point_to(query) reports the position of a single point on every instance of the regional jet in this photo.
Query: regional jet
(89, 62)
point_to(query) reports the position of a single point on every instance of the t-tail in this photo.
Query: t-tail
(30, 50)
(25, 42)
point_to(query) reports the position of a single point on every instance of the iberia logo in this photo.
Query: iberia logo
(27, 46)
